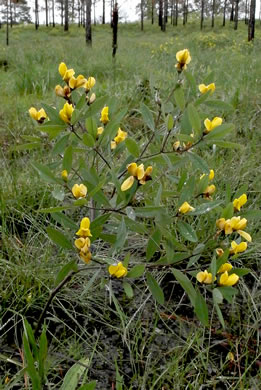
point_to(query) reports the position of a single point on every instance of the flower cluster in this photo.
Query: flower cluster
(83, 243)
(136, 172)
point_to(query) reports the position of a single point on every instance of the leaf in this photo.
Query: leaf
(53, 114)
(201, 309)
(187, 231)
(121, 235)
(135, 226)
(217, 296)
(136, 271)
(228, 293)
(228, 211)
(58, 193)
(223, 106)
(149, 211)
(194, 118)
(206, 207)
(202, 98)
(60, 145)
(28, 146)
(43, 350)
(147, 116)
(132, 147)
(224, 144)
(251, 214)
(52, 129)
(128, 290)
(154, 288)
(88, 140)
(220, 315)
(186, 285)
(241, 271)
(67, 158)
(72, 266)
(34, 376)
(198, 162)
(97, 106)
(46, 174)
(112, 127)
(220, 131)
(89, 386)
(91, 127)
(179, 98)
(75, 116)
(170, 122)
(153, 244)
(173, 258)
(64, 220)
(192, 81)
(58, 238)
(74, 374)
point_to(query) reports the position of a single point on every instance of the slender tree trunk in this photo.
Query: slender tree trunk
(112, 8)
(79, 13)
(88, 23)
(62, 12)
(163, 23)
(165, 12)
(66, 15)
(94, 12)
(202, 14)
(236, 15)
(141, 15)
(224, 13)
(184, 12)
(232, 11)
(187, 8)
(115, 19)
(36, 23)
(160, 12)
(7, 22)
(152, 11)
(213, 13)
(46, 13)
(103, 11)
(251, 22)
(176, 12)
(11, 15)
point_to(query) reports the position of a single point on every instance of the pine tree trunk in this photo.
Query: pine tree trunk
(53, 13)
(160, 12)
(213, 13)
(152, 11)
(202, 14)
(103, 11)
(66, 15)
(176, 13)
(88, 23)
(11, 15)
(232, 12)
(141, 15)
(224, 13)
(165, 12)
(62, 12)
(184, 12)
(251, 22)
(7, 23)
(246, 12)
(187, 8)
(36, 23)
(115, 19)
(46, 13)
(236, 15)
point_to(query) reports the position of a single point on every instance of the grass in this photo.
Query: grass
(150, 347)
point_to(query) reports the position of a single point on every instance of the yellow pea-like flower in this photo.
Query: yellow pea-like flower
(64, 175)
(209, 190)
(228, 280)
(66, 112)
(225, 267)
(90, 83)
(105, 115)
(238, 248)
(176, 146)
(146, 176)
(185, 208)
(100, 130)
(183, 57)
(211, 174)
(127, 184)
(238, 203)
(205, 88)
(79, 191)
(64, 92)
(219, 252)
(84, 230)
(211, 125)
(86, 257)
(204, 277)
(65, 72)
(120, 137)
(77, 82)
(83, 244)
(132, 169)
(92, 98)
(119, 271)
(39, 116)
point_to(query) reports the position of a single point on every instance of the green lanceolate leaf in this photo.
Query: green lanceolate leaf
(220, 131)
(121, 235)
(67, 158)
(153, 244)
(46, 174)
(219, 104)
(154, 288)
(198, 162)
(89, 386)
(194, 118)
(132, 147)
(72, 266)
(179, 98)
(147, 116)
(58, 238)
(206, 207)
(60, 145)
(201, 309)
(88, 140)
(187, 231)
(137, 271)
(128, 289)
(186, 285)
(91, 127)
(74, 374)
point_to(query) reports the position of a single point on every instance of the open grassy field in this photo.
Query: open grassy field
(128, 344)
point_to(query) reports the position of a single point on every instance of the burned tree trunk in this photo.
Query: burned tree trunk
(115, 19)
(251, 22)
(88, 24)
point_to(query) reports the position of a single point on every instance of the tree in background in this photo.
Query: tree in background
(251, 22)
(88, 24)
(66, 15)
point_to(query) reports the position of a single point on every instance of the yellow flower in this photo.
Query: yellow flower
(238, 203)
(146, 176)
(77, 82)
(84, 230)
(64, 175)
(238, 248)
(79, 191)
(86, 257)
(92, 98)
(235, 224)
(211, 125)
(209, 191)
(205, 88)
(105, 115)
(225, 267)
(136, 171)
(90, 83)
(118, 270)
(64, 92)
(219, 252)
(228, 280)
(120, 137)
(66, 112)
(83, 244)
(127, 184)
(100, 130)
(204, 277)
(39, 116)
(185, 208)
(183, 57)
(65, 73)
(210, 176)
(176, 146)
